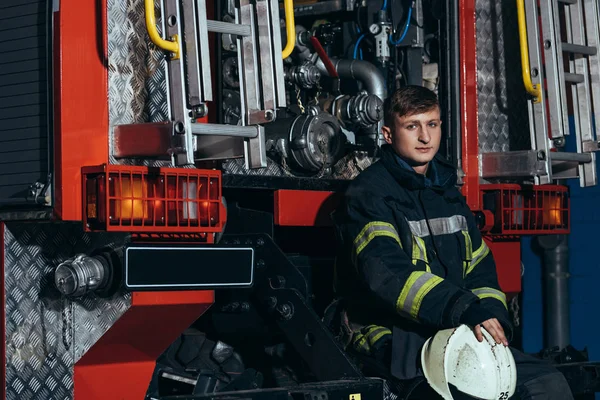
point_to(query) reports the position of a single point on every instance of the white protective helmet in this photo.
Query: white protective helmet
(482, 370)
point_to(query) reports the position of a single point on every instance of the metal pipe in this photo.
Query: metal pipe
(556, 285)
(360, 70)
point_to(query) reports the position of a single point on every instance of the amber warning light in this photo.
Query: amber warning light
(142, 199)
(534, 210)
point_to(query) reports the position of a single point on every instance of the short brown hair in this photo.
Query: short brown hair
(409, 100)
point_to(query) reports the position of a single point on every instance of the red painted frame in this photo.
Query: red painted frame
(121, 363)
(80, 99)
(469, 108)
(507, 255)
(304, 207)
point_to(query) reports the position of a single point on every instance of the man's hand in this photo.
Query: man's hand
(494, 328)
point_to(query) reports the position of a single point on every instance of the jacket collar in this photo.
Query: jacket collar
(440, 174)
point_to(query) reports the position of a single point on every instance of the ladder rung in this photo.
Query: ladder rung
(570, 157)
(228, 28)
(574, 78)
(578, 49)
(568, 1)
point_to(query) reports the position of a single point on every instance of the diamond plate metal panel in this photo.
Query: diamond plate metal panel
(137, 88)
(503, 115)
(237, 167)
(346, 168)
(47, 334)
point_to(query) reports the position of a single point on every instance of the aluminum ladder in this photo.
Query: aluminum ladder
(189, 81)
(566, 83)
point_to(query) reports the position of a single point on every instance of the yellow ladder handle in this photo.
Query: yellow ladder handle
(167, 45)
(532, 89)
(290, 28)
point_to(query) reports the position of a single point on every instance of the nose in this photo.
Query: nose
(424, 136)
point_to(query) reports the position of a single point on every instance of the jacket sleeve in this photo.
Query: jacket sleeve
(368, 231)
(481, 277)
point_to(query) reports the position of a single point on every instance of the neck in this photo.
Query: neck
(421, 169)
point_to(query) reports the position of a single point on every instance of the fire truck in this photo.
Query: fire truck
(168, 169)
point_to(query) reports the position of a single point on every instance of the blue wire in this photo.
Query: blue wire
(361, 37)
(405, 29)
(384, 5)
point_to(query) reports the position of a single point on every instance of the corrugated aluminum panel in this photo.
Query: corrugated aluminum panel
(46, 334)
(25, 116)
(503, 115)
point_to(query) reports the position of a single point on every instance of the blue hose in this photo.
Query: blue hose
(408, 17)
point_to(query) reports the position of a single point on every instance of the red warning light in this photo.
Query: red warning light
(142, 199)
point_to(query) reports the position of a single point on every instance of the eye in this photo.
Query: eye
(433, 124)
(411, 127)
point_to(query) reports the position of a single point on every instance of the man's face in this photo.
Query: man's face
(416, 138)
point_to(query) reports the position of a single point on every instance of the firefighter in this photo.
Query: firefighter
(411, 259)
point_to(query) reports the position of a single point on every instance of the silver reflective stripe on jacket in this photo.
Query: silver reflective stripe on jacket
(488, 292)
(439, 226)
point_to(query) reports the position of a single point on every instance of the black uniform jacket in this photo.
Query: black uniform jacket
(411, 257)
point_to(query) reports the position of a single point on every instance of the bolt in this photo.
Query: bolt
(541, 155)
(269, 115)
(559, 142)
(260, 264)
(232, 47)
(200, 111)
(271, 302)
(286, 311)
(260, 242)
(278, 282)
(179, 127)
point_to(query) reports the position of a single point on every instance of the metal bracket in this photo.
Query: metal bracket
(41, 193)
(280, 296)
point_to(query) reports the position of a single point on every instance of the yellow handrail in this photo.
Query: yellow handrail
(290, 28)
(167, 45)
(532, 89)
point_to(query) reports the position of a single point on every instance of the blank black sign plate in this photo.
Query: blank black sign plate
(176, 267)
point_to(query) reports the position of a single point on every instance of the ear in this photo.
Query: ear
(387, 134)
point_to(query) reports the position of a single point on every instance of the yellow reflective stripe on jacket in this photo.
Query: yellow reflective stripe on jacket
(419, 251)
(417, 286)
(478, 255)
(468, 253)
(373, 230)
(487, 292)
(368, 336)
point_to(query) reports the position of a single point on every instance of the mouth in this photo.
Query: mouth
(423, 149)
